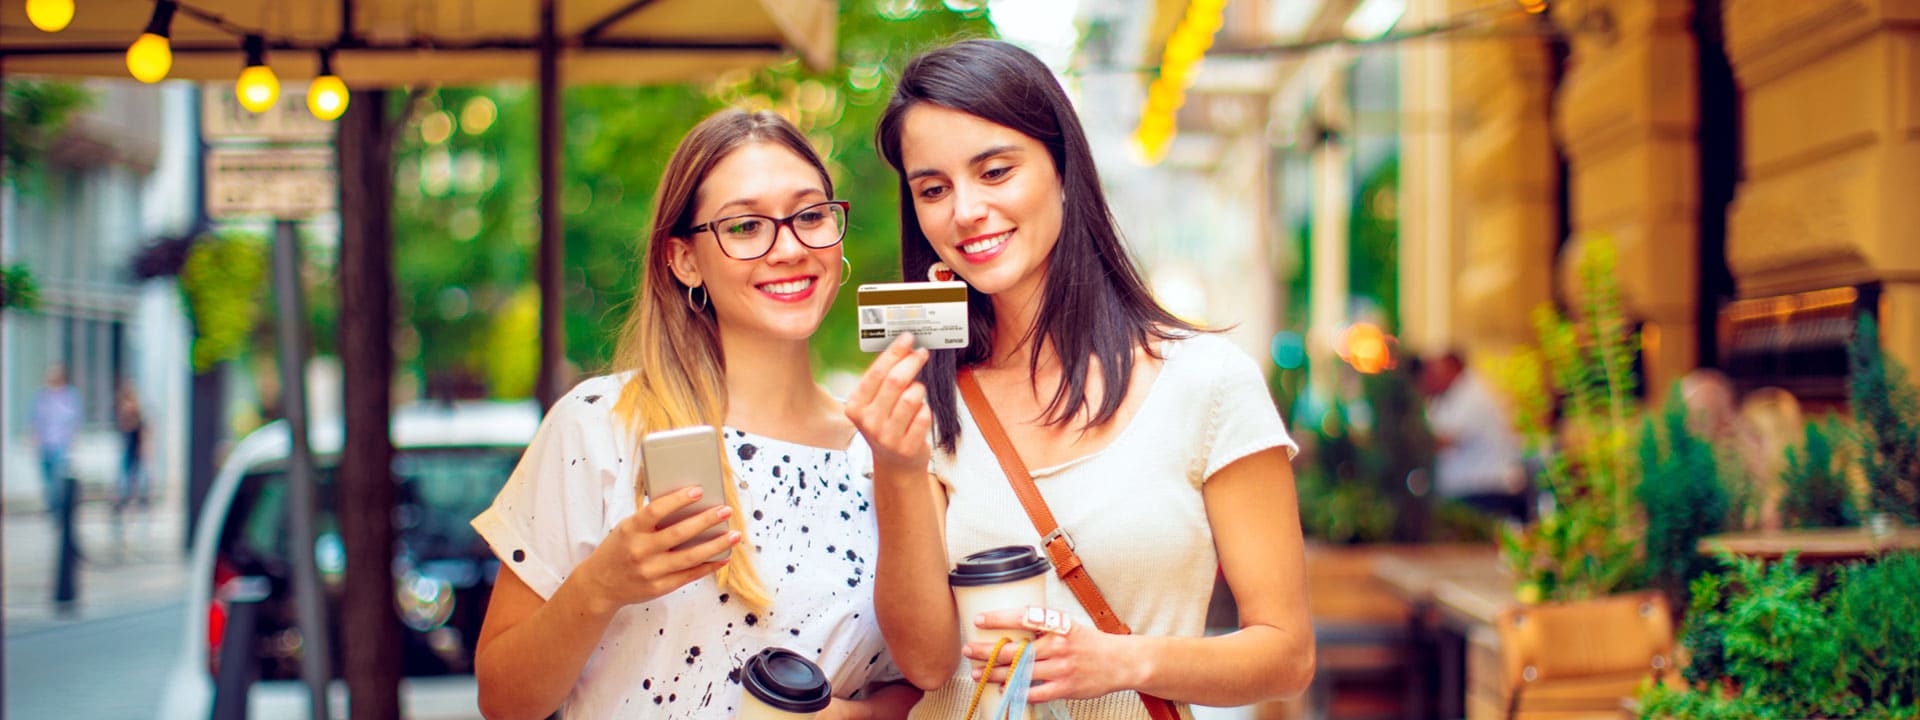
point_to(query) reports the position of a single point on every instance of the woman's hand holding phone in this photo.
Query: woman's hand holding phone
(638, 563)
(890, 409)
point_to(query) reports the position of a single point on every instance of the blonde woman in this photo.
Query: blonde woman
(593, 613)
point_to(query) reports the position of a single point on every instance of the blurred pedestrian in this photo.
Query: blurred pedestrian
(135, 484)
(1477, 455)
(56, 418)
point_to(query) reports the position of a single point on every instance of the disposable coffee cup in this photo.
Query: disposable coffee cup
(1013, 577)
(782, 685)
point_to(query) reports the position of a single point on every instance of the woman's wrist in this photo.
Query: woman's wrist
(585, 596)
(898, 471)
(1138, 662)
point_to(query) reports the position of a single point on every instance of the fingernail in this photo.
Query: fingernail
(980, 620)
(733, 537)
(694, 493)
(724, 512)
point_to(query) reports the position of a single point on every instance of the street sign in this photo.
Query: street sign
(222, 119)
(288, 183)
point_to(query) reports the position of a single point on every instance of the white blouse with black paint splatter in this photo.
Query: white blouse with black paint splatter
(810, 523)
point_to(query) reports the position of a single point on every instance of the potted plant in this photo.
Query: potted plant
(1584, 545)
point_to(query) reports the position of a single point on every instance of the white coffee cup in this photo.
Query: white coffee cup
(781, 684)
(1013, 577)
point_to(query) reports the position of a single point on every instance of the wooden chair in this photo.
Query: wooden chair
(1582, 659)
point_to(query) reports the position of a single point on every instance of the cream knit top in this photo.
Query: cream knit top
(1134, 508)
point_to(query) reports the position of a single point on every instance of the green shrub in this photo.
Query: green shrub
(1876, 611)
(1814, 483)
(1886, 414)
(1683, 497)
(1763, 642)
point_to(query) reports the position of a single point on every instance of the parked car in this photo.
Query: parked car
(449, 462)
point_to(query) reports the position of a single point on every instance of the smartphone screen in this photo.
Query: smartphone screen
(672, 460)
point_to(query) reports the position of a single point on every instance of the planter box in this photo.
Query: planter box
(1565, 660)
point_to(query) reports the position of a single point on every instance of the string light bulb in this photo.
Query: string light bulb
(50, 15)
(327, 96)
(150, 57)
(257, 88)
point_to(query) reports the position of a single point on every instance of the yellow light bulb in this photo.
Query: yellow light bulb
(150, 58)
(50, 15)
(257, 88)
(327, 97)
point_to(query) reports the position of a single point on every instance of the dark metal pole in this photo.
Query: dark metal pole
(316, 666)
(206, 409)
(553, 344)
(66, 588)
(364, 488)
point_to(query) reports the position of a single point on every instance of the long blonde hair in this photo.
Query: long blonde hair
(674, 351)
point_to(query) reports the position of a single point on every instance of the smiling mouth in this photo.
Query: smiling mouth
(986, 243)
(787, 287)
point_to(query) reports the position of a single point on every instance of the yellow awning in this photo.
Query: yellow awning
(412, 42)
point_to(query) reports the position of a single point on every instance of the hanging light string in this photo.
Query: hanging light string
(150, 56)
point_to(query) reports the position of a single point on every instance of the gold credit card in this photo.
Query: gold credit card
(935, 312)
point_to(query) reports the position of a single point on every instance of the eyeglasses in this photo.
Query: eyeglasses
(749, 237)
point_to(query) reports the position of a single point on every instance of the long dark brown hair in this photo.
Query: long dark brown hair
(672, 350)
(1095, 303)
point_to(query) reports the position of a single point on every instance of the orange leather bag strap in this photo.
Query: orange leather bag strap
(1058, 544)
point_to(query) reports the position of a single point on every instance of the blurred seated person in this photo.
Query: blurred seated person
(1750, 438)
(1477, 452)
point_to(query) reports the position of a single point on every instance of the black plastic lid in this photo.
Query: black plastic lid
(999, 565)
(784, 680)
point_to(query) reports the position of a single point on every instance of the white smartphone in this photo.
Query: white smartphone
(673, 460)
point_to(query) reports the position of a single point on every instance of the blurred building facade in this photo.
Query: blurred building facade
(122, 174)
(1755, 163)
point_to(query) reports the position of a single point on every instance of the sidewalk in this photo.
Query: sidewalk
(131, 562)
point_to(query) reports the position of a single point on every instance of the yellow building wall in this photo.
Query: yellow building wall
(1506, 188)
(1831, 123)
(1627, 115)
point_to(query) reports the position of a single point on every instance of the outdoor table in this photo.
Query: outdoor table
(1823, 544)
(1453, 590)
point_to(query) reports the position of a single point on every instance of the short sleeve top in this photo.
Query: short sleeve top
(1134, 508)
(810, 523)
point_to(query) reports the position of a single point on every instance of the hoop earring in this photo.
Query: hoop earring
(849, 271)
(702, 306)
(939, 272)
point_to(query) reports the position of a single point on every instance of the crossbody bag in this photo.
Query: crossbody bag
(1058, 544)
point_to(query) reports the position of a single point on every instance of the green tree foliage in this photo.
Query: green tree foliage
(839, 110)
(33, 113)
(1683, 497)
(1814, 482)
(1764, 641)
(1886, 412)
(1340, 503)
(18, 288)
(466, 197)
(225, 284)
(1374, 271)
